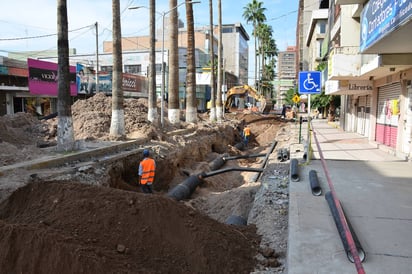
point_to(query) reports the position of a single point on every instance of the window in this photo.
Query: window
(158, 67)
(322, 27)
(107, 68)
(135, 69)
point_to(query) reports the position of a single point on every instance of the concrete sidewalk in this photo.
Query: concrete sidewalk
(375, 190)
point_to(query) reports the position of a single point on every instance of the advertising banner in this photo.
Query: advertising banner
(86, 81)
(43, 78)
(381, 17)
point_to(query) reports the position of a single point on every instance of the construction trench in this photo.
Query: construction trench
(85, 210)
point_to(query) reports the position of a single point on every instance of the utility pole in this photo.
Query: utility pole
(97, 58)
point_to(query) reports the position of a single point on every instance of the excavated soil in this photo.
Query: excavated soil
(92, 218)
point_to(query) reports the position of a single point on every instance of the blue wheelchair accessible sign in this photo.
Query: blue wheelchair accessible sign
(309, 82)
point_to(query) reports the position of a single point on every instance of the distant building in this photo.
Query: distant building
(286, 77)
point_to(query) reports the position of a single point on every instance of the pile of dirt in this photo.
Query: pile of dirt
(92, 118)
(66, 227)
(21, 135)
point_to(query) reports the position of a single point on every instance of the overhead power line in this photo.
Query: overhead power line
(41, 36)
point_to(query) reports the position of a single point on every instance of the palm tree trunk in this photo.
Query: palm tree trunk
(117, 129)
(173, 103)
(152, 106)
(212, 66)
(191, 109)
(65, 132)
(219, 104)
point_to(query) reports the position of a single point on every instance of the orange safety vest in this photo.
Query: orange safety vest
(148, 167)
(246, 131)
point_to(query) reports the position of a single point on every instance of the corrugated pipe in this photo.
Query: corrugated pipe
(185, 190)
(294, 172)
(218, 162)
(314, 183)
(339, 226)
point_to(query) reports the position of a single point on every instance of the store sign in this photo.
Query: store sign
(43, 78)
(345, 87)
(381, 17)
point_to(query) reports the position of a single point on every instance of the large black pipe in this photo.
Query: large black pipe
(185, 189)
(218, 162)
(314, 183)
(341, 231)
(240, 146)
(294, 172)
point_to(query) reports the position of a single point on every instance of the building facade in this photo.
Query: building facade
(367, 52)
(286, 76)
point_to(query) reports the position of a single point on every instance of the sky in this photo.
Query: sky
(28, 25)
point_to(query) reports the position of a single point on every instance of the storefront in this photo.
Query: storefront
(387, 117)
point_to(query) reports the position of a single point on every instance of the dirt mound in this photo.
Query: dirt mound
(92, 116)
(60, 227)
(20, 136)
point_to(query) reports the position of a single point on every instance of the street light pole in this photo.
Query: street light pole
(162, 92)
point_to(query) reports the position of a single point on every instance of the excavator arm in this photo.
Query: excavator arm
(242, 91)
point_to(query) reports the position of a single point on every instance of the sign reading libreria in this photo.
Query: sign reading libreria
(380, 17)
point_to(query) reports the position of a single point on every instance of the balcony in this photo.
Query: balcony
(344, 63)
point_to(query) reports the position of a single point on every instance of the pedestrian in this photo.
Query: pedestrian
(284, 111)
(246, 135)
(147, 168)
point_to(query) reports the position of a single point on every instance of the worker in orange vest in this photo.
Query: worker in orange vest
(147, 169)
(246, 135)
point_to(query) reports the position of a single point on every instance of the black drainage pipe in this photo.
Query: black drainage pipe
(185, 189)
(263, 165)
(279, 155)
(285, 154)
(216, 172)
(294, 173)
(240, 146)
(218, 162)
(236, 220)
(341, 231)
(314, 183)
(243, 156)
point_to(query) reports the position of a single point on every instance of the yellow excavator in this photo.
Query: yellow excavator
(244, 90)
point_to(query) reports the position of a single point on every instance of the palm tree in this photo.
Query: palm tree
(254, 13)
(212, 66)
(117, 123)
(152, 109)
(65, 132)
(173, 103)
(191, 108)
(219, 103)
